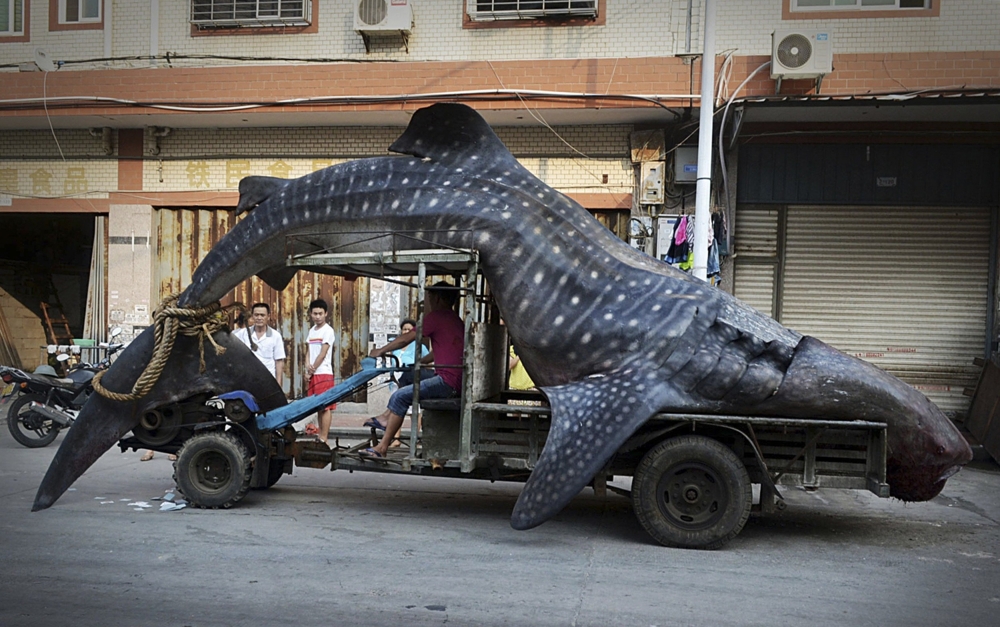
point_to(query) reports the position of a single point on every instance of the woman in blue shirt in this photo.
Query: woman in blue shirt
(407, 355)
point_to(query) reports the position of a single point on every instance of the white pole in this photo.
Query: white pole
(154, 31)
(702, 207)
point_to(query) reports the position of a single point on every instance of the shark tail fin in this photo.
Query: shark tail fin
(256, 189)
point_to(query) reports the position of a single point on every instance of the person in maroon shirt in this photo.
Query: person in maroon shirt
(446, 332)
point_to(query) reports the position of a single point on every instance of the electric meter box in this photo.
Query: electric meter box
(686, 164)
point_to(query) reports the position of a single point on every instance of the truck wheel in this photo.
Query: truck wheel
(30, 428)
(213, 470)
(691, 492)
(275, 469)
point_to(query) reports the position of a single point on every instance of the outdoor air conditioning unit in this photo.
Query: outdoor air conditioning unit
(379, 16)
(801, 54)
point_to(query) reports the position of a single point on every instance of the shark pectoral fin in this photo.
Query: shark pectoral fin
(256, 189)
(590, 420)
(278, 277)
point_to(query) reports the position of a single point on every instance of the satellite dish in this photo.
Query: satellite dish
(43, 61)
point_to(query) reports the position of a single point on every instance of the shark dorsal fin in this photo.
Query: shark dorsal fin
(256, 189)
(450, 133)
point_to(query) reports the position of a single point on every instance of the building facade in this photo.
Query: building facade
(864, 214)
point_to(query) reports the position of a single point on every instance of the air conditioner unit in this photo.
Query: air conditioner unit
(801, 53)
(379, 16)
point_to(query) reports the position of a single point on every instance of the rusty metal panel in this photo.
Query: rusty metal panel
(184, 237)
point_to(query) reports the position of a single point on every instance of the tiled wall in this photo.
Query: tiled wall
(746, 26)
(216, 159)
(56, 178)
(633, 28)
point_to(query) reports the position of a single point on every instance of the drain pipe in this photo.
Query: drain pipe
(687, 28)
(703, 197)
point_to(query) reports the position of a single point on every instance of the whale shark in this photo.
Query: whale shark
(610, 335)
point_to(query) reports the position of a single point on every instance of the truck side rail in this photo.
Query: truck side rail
(811, 453)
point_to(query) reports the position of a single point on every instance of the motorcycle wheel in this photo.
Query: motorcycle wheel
(29, 428)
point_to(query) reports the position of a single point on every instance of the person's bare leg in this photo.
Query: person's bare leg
(391, 429)
(324, 418)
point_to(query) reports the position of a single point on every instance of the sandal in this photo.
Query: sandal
(148, 456)
(374, 423)
(172, 458)
(370, 452)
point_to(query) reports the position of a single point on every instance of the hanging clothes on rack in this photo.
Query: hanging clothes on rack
(678, 251)
(720, 230)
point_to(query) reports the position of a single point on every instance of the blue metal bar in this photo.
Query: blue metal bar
(297, 410)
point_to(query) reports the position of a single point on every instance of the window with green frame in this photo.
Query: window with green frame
(11, 17)
(79, 11)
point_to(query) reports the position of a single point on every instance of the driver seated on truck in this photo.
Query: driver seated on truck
(447, 334)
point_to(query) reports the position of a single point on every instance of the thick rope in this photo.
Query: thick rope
(168, 321)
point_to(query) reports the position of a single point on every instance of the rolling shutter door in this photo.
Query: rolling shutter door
(901, 287)
(755, 243)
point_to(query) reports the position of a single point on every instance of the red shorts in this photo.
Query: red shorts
(319, 383)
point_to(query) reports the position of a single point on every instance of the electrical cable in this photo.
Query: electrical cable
(722, 132)
(45, 78)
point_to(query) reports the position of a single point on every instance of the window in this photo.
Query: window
(491, 10)
(11, 18)
(858, 5)
(79, 11)
(213, 14)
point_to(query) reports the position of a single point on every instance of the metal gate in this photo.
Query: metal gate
(184, 237)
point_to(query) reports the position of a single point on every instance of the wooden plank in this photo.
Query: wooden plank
(983, 421)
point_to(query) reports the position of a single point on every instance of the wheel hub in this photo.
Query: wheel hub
(212, 470)
(691, 495)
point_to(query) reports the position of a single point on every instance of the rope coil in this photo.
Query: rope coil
(169, 321)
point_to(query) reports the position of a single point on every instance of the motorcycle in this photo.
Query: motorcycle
(46, 403)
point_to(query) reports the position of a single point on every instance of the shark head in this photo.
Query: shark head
(102, 421)
(924, 447)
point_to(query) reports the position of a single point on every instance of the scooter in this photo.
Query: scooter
(46, 403)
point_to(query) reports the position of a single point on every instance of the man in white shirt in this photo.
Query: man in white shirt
(319, 371)
(265, 342)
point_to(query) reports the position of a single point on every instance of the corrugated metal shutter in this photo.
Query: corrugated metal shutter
(901, 287)
(755, 243)
(184, 237)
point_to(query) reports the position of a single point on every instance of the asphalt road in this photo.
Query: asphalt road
(334, 548)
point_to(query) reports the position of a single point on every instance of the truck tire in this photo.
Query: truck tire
(212, 470)
(691, 492)
(27, 427)
(275, 469)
